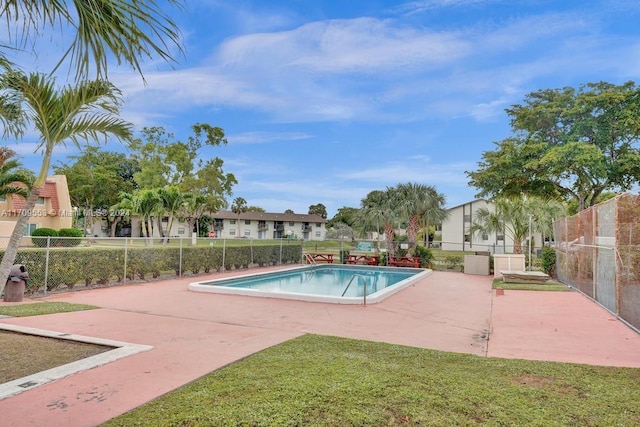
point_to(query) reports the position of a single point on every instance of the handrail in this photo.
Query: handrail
(365, 286)
(310, 259)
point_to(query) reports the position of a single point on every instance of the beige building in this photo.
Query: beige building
(457, 237)
(262, 225)
(52, 210)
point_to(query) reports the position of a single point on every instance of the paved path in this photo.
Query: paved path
(194, 333)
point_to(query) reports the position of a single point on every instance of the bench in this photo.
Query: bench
(524, 277)
(363, 259)
(404, 262)
(311, 258)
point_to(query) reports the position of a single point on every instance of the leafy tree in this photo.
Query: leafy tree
(238, 206)
(574, 144)
(289, 211)
(345, 215)
(96, 179)
(255, 209)
(87, 111)
(341, 231)
(164, 161)
(516, 217)
(125, 29)
(318, 209)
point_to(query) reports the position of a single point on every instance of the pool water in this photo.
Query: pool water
(323, 283)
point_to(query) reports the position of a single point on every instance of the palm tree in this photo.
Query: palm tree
(86, 111)
(238, 206)
(516, 217)
(376, 209)
(173, 202)
(128, 30)
(416, 203)
(13, 180)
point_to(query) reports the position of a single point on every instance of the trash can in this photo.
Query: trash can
(16, 283)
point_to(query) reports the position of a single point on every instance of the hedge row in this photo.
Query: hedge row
(70, 267)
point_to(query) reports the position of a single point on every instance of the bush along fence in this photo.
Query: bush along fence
(56, 263)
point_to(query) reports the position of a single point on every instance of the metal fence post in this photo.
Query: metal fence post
(180, 262)
(280, 251)
(46, 265)
(224, 253)
(126, 254)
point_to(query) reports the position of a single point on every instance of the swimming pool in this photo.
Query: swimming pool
(343, 284)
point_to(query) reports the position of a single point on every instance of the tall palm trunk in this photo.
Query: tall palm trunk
(18, 232)
(388, 235)
(412, 230)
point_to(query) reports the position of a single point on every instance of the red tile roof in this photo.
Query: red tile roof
(48, 191)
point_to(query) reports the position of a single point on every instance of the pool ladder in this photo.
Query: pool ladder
(365, 286)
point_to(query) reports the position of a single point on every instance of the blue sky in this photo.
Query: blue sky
(324, 101)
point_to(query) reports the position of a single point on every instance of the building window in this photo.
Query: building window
(467, 218)
(467, 237)
(500, 237)
(40, 201)
(181, 230)
(317, 234)
(485, 236)
(291, 224)
(232, 232)
(319, 225)
(247, 233)
(29, 228)
(247, 222)
(233, 221)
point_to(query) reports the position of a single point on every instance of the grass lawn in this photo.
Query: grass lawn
(327, 381)
(548, 286)
(39, 308)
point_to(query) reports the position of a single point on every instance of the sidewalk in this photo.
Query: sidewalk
(194, 333)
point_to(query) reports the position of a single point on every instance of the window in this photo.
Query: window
(500, 237)
(29, 228)
(233, 221)
(232, 232)
(467, 218)
(485, 236)
(181, 230)
(317, 234)
(247, 222)
(40, 201)
(467, 237)
(291, 224)
(247, 233)
(319, 225)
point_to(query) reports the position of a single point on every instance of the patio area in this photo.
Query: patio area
(193, 334)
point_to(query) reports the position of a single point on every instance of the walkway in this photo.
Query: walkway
(194, 333)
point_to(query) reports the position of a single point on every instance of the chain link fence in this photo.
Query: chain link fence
(598, 253)
(57, 263)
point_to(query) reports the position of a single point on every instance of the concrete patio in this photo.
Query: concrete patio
(193, 334)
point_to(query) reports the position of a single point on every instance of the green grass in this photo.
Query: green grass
(39, 308)
(327, 381)
(549, 286)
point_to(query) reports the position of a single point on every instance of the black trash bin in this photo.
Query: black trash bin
(16, 284)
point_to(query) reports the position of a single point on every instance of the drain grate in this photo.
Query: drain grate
(28, 384)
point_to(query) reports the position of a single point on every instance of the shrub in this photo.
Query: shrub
(40, 237)
(69, 232)
(453, 262)
(425, 255)
(548, 260)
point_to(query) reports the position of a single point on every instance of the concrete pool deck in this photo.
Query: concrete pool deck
(193, 334)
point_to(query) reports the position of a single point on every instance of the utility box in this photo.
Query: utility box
(476, 264)
(16, 283)
(507, 262)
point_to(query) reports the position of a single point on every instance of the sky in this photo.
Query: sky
(325, 101)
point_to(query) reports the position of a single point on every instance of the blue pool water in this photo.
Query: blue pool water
(323, 283)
